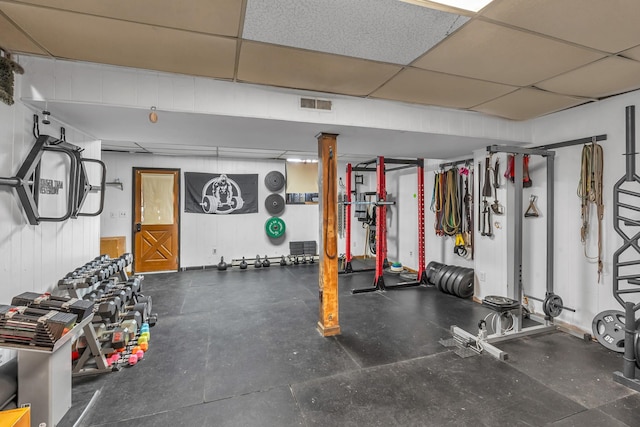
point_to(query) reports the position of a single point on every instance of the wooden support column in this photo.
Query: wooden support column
(328, 203)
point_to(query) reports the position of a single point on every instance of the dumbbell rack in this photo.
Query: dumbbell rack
(629, 375)
(100, 269)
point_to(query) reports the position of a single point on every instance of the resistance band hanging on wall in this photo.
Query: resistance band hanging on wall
(590, 192)
(451, 204)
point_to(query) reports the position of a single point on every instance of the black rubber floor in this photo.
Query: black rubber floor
(240, 348)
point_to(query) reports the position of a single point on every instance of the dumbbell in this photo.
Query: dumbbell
(121, 334)
(108, 286)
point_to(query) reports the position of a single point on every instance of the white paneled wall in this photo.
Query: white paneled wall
(34, 257)
(109, 85)
(232, 236)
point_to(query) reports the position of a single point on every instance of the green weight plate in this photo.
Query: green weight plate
(274, 227)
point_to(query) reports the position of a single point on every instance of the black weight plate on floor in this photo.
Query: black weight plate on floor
(445, 278)
(432, 269)
(636, 340)
(456, 281)
(274, 181)
(608, 328)
(274, 204)
(438, 278)
(451, 281)
(465, 284)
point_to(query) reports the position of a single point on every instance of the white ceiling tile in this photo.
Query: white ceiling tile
(608, 25)
(431, 88)
(527, 103)
(599, 79)
(499, 54)
(207, 16)
(384, 30)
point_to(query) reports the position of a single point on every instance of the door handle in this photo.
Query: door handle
(138, 227)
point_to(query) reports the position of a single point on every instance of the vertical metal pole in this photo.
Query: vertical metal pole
(422, 274)
(550, 221)
(328, 204)
(347, 266)
(385, 262)
(630, 121)
(378, 281)
(517, 237)
(629, 364)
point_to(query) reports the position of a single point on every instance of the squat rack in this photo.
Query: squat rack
(378, 165)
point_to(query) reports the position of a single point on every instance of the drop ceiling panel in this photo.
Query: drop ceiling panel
(603, 78)
(103, 40)
(384, 30)
(431, 88)
(608, 25)
(13, 39)
(633, 53)
(495, 53)
(208, 16)
(527, 103)
(288, 67)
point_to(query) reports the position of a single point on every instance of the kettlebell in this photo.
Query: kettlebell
(222, 265)
(243, 264)
(266, 262)
(283, 261)
(257, 263)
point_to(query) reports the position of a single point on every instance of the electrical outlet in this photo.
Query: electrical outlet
(123, 214)
(410, 253)
(482, 276)
(215, 251)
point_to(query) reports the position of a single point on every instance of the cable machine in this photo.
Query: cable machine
(378, 166)
(552, 303)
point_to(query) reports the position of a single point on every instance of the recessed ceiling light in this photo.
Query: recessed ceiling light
(470, 5)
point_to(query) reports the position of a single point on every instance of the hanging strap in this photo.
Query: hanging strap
(590, 192)
(451, 217)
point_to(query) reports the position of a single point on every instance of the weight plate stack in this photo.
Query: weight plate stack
(439, 278)
(432, 270)
(464, 284)
(455, 270)
(274, 181)
(274, 204)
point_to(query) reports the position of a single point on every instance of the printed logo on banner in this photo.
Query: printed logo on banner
(221, 193)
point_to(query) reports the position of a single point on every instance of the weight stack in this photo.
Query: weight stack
(451, 279)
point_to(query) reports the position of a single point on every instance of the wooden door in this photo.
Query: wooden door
(156, 222)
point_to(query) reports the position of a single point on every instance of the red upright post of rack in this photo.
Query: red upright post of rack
(422, 273)
(381, 222)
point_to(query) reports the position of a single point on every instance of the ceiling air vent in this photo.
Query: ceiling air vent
(315, 104)
(323, 105)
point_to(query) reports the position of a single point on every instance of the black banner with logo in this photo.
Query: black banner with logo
(214, 193)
